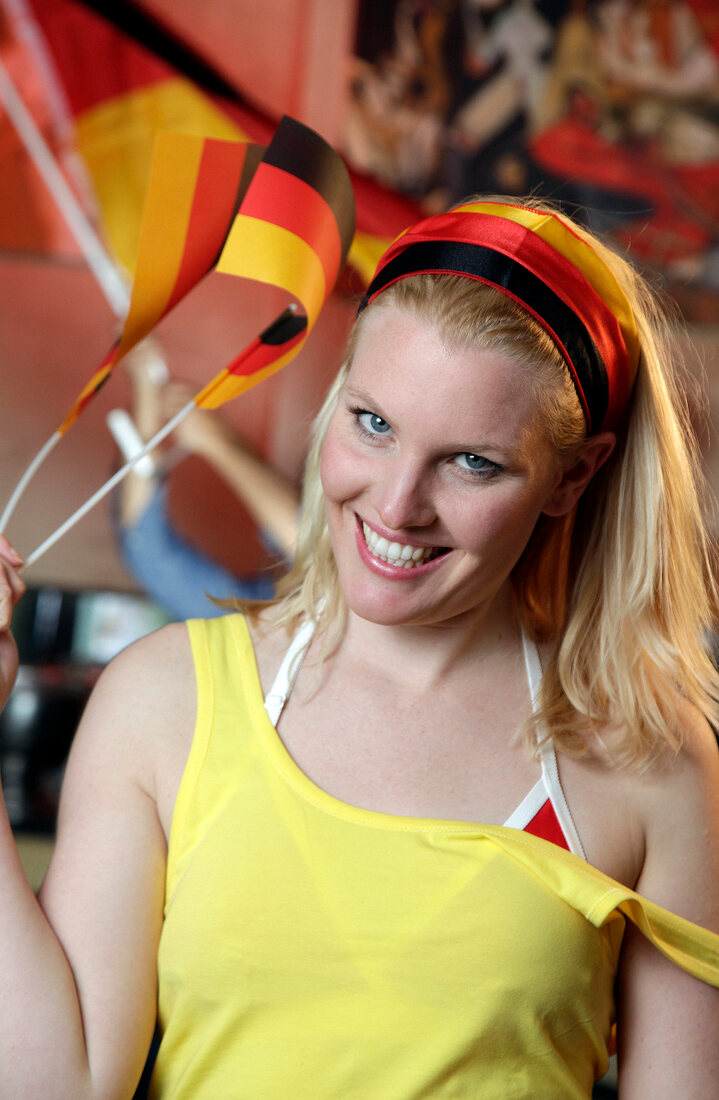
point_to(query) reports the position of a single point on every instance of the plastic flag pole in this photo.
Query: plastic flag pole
(27, 478)
(285, 325)
(109, 485)
(155, 363)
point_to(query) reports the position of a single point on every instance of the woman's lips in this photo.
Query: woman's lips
(393, 558)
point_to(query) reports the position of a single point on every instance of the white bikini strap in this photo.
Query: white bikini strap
(548, 757)
(287, 672)
(533, 667)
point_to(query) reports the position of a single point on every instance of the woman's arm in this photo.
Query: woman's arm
(271, 500)
(175, 573)
(78, 966)
(668, 1022)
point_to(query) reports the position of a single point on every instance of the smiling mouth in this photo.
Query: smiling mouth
(401, 554)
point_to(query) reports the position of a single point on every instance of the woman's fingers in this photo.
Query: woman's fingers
(200, 429)
(12, 587)
(11, 582)
(9, 553)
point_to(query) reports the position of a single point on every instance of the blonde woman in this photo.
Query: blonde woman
(444, 813)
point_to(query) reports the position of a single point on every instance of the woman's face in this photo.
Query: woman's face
(435, 472)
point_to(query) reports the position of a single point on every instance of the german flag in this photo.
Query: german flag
(283, 216)
(127, 76)
(294, 230)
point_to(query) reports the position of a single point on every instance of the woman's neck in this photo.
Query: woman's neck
(430, 654)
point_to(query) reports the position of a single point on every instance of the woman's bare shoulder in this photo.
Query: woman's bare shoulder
(159, 665)
(679, 801)
(145, 700)
(688, 777)
(635, 821)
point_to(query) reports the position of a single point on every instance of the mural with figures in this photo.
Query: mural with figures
(611, 107)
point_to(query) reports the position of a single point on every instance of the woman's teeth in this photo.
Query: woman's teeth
(398, 553)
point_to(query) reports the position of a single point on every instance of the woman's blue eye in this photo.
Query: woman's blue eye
(475, 462)
(373, 423)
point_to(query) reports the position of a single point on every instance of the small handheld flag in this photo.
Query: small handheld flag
(282, 329)
(283, 216)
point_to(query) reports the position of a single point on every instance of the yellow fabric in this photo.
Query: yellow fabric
(314, 950)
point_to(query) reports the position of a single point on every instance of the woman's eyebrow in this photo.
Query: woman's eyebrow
(510, 450)
(358, 394)
(361, 397)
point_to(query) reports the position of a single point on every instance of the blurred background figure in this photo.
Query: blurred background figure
(170, 567)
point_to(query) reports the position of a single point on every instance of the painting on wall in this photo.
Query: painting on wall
(609, 107)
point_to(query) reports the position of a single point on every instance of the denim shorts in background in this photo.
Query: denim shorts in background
(177, 575)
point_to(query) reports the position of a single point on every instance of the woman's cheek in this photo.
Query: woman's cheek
(510, 524)
(499, 521)
(339, 467)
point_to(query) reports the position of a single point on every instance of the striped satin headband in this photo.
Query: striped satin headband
(539, 261)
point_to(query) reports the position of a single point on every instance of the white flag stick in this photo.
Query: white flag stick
(109, 485)
(27, 478)
(154, 363)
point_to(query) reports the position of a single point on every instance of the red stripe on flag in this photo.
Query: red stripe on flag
(96, 62)
(218, 178)
(258, 355)
(282, 199)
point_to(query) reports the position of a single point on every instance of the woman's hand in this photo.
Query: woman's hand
(12, 588)
(202, 432)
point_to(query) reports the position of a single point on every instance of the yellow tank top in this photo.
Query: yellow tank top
(315, 951)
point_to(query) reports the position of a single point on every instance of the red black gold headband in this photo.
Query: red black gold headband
(538, 260)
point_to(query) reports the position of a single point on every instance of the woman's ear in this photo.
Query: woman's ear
(593, 453)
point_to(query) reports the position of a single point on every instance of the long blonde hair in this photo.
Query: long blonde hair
(622, 587)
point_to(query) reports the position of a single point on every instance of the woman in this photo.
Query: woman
(500, 534)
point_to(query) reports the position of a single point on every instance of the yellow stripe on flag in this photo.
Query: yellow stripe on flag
(116, 140)
(270, 254)
(164, 230)
(365, 253)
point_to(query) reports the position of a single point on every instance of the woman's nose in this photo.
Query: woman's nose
(404, 496)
